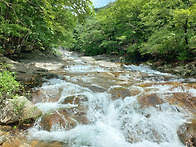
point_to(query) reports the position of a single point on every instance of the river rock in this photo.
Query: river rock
(67, 118)
(183, 99)
(2, 139)
(49, 66)
(56, 121)
(18, 109)
(62, 119)
(46, 95)
(75, 99)
(120, 92)
(187, 133)
(150, 100)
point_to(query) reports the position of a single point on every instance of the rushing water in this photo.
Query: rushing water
(126, 120)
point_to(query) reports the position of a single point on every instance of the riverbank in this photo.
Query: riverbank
(183, 69)
(180, 68)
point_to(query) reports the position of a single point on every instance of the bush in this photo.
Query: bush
(8, 84)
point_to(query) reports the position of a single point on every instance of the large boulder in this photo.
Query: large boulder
(18, 109)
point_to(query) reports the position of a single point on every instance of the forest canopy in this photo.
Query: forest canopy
(137, 29)
(141, 29)
(39, 24)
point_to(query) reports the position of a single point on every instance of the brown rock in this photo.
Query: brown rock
(15, 143)
(57, 121)
(76, 99)
(183, 100)
(187, 133)
(150, 100)
(120, 92)
(41, 95)
(34, 143)
(7, 144)
(67, 118)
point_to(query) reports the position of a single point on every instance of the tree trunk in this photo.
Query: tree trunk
(185, 31)
(8, 9)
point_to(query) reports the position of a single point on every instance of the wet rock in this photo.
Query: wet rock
(2, 139)
(34, 143)
(96, 88)
(187, 134)
(150, 100)
(19, 109)
(46, 144)
(183, 99)
(49, 66)
(120, 92)
(82, 119)
(56, 121)
(146, 85)
(46, 95)
(15, 143)
(75, 99)
(67, 118)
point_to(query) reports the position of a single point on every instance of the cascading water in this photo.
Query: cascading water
(127, 121)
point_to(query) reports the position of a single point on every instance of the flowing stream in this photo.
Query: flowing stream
(103, 104)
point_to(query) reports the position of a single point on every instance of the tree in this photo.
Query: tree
(141, 29)
(171, 26)
(40, 24)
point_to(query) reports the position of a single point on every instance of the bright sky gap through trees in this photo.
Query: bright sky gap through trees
(101, 3)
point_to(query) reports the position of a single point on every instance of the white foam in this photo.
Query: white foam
(192, 91)
(112, 122)
(144, 69)
(49, 107)
(84, 68)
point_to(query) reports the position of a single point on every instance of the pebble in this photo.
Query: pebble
(2, 139)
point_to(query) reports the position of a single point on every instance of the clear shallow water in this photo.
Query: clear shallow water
(112, 123)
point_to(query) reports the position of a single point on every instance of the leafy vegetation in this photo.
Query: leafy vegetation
(141, 29)
(9, 87)
(39, 24)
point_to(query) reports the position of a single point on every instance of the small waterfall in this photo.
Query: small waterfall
(112, 123)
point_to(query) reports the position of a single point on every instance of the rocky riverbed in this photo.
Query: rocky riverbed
(91, 101)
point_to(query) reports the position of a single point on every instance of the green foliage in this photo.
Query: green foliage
(8, 84)
(17, 104)
(40, 24)
(141, 29)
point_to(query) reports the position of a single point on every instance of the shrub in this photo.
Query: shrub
(8, 84)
